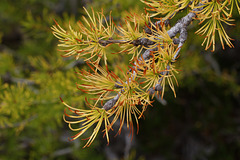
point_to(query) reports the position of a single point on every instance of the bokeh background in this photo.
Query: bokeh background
(202, 123)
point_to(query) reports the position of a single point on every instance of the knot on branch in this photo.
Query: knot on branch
(146, 42)
(158, 87)
(136, 42)
(109, 104)
(103, 42)
(152, 90)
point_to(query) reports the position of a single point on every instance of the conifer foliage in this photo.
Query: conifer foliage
(153, 46)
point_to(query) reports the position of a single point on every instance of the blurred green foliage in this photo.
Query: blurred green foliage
(201, 123)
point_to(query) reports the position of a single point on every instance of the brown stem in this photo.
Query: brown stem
(110, 41)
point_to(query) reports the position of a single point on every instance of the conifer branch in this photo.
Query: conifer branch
(179, 27)
(151, 70)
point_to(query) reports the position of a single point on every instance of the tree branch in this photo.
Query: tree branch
(179, 27)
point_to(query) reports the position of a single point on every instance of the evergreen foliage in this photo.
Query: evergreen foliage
(154, 53)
